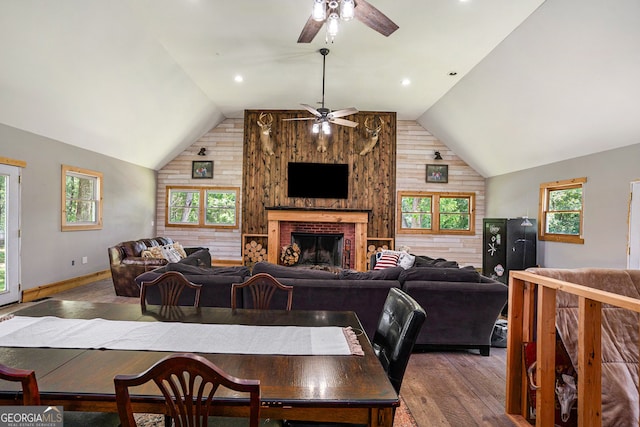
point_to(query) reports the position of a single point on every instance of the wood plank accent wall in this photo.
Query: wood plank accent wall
(223, 145)
(416, 147)
(371, 176)
(401, 164)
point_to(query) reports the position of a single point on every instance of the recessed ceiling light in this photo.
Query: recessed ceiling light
(238, 78)
(406, 82)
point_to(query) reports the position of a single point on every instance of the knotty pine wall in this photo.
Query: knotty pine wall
(371, 176)
(414, 149)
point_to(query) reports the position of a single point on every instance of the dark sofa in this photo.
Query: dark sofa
(216, 283)
(462, 305)
(127, 263)
(363, 293)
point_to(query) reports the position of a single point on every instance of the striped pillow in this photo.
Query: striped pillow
(387, 260)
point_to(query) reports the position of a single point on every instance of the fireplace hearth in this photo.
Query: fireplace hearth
(319, 249)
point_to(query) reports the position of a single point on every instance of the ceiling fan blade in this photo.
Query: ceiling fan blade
(373, 18)
(344, 112)
(310, 30)
(299, 118)
(312, 110)
(344, 122)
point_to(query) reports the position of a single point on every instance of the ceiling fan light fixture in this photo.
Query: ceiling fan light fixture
(319, 12)
(315, 128)
(326, 129)
(332, 24)
(347, 10)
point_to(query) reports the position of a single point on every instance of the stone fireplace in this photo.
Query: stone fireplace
(352, 225)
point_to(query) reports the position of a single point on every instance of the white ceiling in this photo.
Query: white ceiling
(141, 80)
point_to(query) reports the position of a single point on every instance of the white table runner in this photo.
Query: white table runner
(55, 332)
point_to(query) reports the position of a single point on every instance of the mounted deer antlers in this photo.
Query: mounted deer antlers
(372, 134)
(265, 121)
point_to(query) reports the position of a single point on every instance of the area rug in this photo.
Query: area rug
(403, 418)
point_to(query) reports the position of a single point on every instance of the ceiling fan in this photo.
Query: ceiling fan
(323, 116)
(331, 11)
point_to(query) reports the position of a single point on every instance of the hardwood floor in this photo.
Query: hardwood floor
(456, 389)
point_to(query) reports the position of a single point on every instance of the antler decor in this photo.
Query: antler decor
(373, 133)
(265, 121)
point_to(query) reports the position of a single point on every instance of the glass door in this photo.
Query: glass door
(9, 234)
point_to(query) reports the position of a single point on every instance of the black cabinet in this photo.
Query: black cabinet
(508, 244)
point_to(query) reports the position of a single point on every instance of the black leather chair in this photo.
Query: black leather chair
(398, 328)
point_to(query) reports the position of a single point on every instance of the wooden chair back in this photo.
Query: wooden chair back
(188, 383)
(30, 392)
(170, 285)
(262, 287)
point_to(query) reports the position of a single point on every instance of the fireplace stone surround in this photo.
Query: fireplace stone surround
(351, 223)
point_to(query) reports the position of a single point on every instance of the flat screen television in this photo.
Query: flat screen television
(318, 180)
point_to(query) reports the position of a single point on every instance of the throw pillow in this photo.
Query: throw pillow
(178, 247)
(406, 260)
(387, 260)
(170, 253)
(155, 251)
(146, 254)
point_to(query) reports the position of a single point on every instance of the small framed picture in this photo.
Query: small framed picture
(438, 173)
(202, 169)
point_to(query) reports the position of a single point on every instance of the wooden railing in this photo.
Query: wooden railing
(532, 304)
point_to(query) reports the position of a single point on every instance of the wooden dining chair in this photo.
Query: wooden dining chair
(188, 383)
(170, 285)
(30, 393)
(262, 286)
(31, 397)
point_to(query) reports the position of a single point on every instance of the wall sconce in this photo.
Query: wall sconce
(437, 156)
(202, 152)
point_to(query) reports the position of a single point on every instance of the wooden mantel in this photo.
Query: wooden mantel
(359, 218)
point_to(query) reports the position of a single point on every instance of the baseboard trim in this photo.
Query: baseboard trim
(53, 288)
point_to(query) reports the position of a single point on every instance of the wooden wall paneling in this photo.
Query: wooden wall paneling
(372, 176)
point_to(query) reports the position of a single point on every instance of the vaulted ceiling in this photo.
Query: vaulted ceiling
(533, 81)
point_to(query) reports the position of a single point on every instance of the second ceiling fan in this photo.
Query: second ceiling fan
(331, 11)
(323, 116)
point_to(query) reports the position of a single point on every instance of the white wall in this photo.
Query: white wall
(47, 252)
(606, 203)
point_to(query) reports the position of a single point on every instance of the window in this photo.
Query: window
(438, 213)
(214, 207)
(561, 204)
(81, 199)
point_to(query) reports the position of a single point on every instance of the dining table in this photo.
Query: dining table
(307, 387)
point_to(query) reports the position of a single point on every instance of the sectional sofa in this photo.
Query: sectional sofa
(462, 305)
